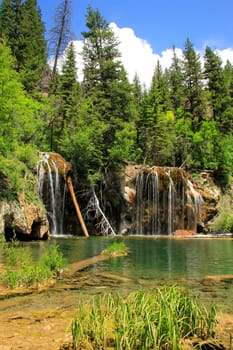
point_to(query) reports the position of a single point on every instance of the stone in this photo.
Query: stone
(24, 219)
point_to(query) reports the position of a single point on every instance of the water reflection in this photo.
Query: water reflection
(149, 257)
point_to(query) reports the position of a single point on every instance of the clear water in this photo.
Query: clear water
(151, 257)
(151, 261)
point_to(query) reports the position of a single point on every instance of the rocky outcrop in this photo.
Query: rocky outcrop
(211, 194)
(55, 159)
(200, 185)
(26, 221)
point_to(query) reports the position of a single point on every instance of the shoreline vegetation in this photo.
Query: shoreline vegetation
(166, 317)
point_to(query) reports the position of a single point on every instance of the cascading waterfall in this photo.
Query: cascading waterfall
(197, 199)
(50, 190)
(171, 197)
(165, 201)
(139, 203)
(155, 202)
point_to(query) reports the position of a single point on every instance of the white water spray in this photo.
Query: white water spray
(55, 200)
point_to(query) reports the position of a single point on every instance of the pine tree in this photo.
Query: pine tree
(68, 95)
(195, 104)
(221, 101)
(10, 18)
(156, 124)
(60, 34)
(23, 29)
(108, 90)
(176, 83)
(32, 56)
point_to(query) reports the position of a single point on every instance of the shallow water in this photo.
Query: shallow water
(151, 262)
(152, 257)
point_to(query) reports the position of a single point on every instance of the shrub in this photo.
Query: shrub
(224, 220)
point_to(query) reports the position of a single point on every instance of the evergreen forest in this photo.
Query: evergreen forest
(185, 117)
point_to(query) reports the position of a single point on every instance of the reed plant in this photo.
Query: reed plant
(158, 320)
(21, 271)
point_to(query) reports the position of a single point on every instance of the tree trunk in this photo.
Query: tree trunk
(79, 215)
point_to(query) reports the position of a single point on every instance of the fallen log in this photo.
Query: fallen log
(78, 211)
(80, 265)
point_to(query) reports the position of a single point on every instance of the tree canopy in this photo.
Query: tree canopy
(104, 121)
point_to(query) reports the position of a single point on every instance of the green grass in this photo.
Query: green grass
(116, 248)
(158, 320)
(21, 271)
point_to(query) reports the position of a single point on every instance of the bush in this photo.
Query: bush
(224, 221)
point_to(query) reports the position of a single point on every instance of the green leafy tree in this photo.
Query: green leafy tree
(184, 139)
(21, 122)
(205, 146)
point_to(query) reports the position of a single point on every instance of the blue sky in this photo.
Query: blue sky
(160, 22)
(148, 29)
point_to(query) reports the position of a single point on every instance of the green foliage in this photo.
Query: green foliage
(53, 259)
(21, 126)
(205, 140)
(195, 103)
(224, 220)
(21, 271)
(161, 320)
(111, 111)
(104, 122)
(116, 248)
(23, 29)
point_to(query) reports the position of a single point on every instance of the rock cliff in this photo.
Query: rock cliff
(186, 191)
(26, 221)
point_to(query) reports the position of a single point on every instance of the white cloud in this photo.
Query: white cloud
(225, 54)
(137, 54)
(138, 57)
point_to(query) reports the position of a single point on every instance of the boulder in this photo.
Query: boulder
(26, 221)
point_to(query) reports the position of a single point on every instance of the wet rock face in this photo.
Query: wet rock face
(52, 158)
(26, 221)
(164, 200)
(211, 194)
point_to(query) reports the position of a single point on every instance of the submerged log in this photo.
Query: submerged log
(78, 211)
(80, 265)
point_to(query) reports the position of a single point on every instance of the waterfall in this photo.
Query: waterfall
(165, 201)
(155, 202)
(139, 203)
(50, 190)
(197, 201)
(170, 204)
